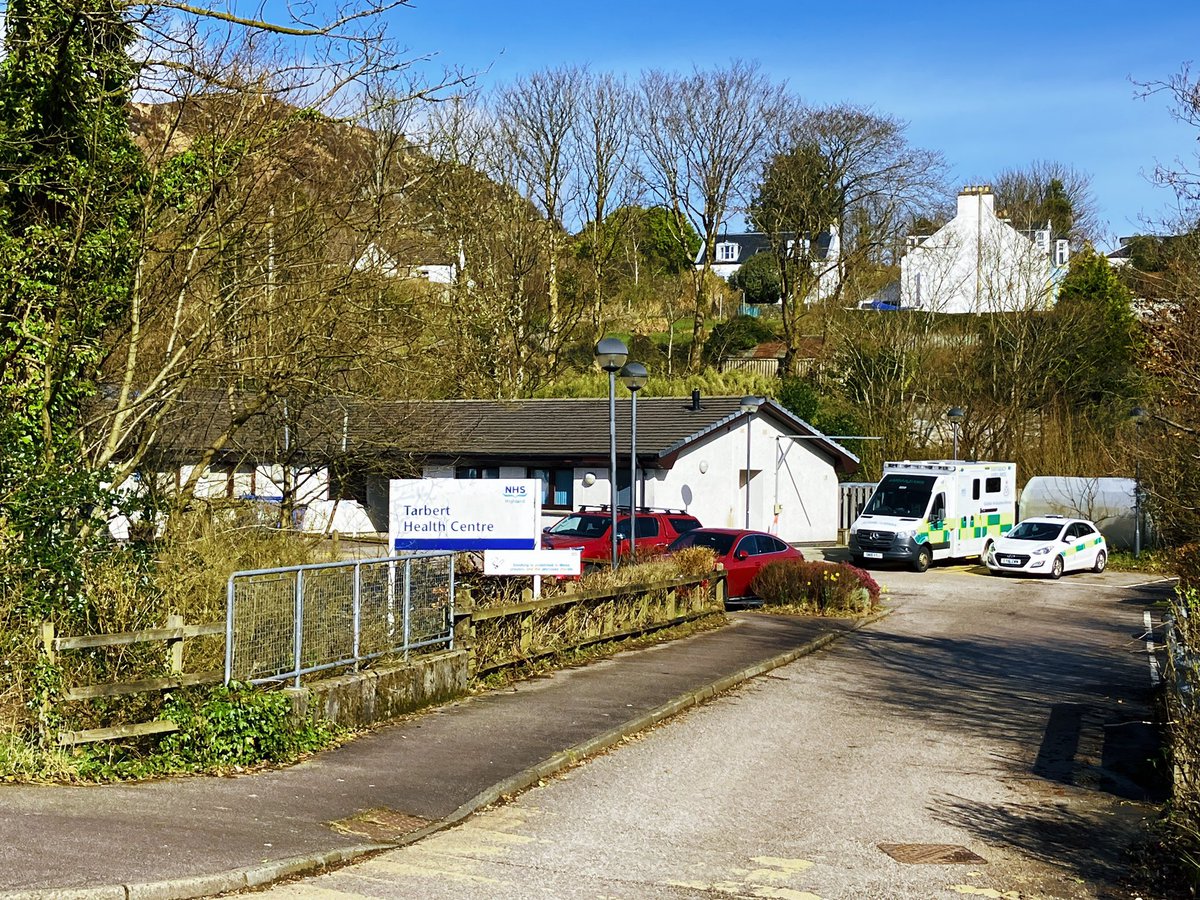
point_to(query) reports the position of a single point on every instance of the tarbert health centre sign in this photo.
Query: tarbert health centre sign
(464, 513)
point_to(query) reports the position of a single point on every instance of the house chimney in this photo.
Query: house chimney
(695, 399)
(974, 198)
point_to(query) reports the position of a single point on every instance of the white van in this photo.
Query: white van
(937, 509)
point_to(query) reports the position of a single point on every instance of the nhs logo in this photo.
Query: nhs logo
(514, 490)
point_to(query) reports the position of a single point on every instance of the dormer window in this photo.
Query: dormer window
(727, 252)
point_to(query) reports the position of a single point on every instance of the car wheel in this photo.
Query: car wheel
(1056, 568)
(924, 560)
(987, 551)
(1101, 562)
(996, 572)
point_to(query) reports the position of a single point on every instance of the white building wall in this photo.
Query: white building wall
(976, 263)
(708, 482)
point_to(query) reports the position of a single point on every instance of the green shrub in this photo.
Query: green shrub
(816, 586)
(237, 726)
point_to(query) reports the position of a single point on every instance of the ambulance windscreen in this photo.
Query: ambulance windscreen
(902, 496)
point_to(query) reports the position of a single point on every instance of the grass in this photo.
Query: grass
(1151, 562)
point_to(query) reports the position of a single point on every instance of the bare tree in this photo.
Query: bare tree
(253, 278)
(1049, 194)
(703, 135)
(835, 196)
(537, 119)
(604, 146)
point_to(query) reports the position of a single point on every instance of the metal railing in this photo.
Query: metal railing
(288, 622)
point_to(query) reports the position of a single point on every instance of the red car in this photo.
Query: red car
(740, 552)
(589, 530)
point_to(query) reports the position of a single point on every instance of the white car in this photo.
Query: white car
(1048, 545)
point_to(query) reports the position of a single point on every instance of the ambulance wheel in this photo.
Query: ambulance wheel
(1056, 568)
(924, 560)
(1101, 562)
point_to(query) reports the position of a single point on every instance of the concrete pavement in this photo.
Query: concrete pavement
(193, 837)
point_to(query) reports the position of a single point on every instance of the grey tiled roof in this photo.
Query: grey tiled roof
(550, 430)
(752, 242)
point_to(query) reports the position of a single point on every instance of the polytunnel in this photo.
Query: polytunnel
(1109, 502)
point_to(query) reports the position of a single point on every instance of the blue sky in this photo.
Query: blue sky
(992, 86)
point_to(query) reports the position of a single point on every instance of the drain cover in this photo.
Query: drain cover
(940, 854)
(380, 824)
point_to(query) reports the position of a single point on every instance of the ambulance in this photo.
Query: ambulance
(935, 509)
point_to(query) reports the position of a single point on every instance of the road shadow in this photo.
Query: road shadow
(1036, 695)
(1081, 840)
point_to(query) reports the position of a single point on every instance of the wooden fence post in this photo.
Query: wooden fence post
(464, 627)
(175, 645)
(47, 706)
(48, 641)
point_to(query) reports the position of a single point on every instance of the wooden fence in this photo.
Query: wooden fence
(173, 635)
(500, 636)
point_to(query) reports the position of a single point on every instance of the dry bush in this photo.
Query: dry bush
(817, 586)
(207, 543)
(1183, 706)
(1185, 560)
(693, 561)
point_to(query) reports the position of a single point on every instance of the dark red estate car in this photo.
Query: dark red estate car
(589, 530)
(740, 552)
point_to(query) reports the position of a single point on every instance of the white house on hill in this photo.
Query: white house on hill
(979, 263)
(733, 250)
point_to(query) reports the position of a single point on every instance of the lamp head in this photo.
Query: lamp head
(633, 375)
(751, 404)
(611, 353)
(955, 413)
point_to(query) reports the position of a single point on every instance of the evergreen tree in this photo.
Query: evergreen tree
(1099, 362)
(69, 219)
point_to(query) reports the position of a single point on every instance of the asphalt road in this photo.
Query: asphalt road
(1004, 717)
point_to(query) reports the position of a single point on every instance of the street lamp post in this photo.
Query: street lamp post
(749, 406)
(633, 376)
(955, 414)
(1138, 415)
(610, 356)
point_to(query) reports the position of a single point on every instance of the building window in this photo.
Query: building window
(993, 485)
(558, 487)
(477, 472)
(727, 252)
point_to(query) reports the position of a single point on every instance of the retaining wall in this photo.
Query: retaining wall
(365, 698)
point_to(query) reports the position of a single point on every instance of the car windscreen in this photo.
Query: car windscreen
(1036, 531)
(581, 526)
(716, 541)
(902, 496)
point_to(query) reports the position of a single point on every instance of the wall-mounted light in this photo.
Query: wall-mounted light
(703, 466)
(589, 479)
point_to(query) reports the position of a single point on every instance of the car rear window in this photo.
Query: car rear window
(683, 525)
(718, 542)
